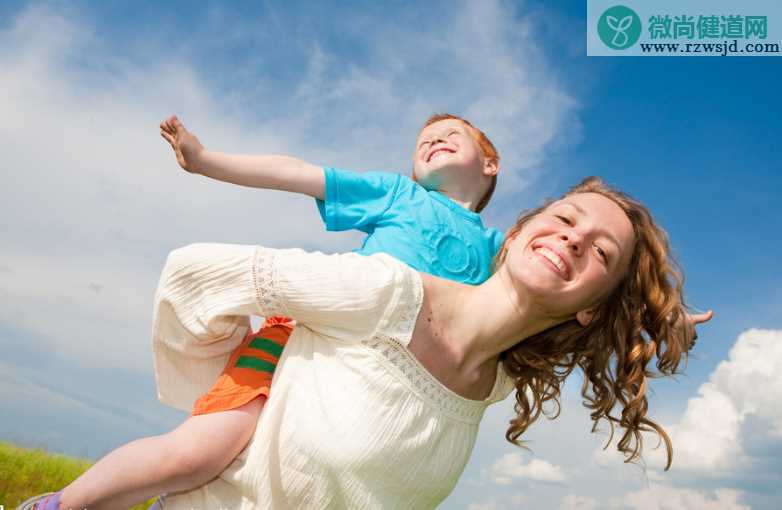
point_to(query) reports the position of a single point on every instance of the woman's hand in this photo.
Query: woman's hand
(693, 319)
(186, 146)
(700, 318)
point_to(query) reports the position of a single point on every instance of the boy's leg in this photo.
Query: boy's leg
(223, 421)
(187, 457)
(248, 373)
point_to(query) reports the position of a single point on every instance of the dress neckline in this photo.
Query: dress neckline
(408, 306)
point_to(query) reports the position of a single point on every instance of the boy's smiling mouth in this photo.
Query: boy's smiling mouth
(439, 152)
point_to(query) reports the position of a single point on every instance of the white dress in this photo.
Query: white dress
(354, 420)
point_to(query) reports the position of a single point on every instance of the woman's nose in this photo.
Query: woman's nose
(572, 240)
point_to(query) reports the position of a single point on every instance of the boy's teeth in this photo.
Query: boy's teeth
(438, 153)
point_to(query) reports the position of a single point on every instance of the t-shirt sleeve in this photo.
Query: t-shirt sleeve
(208, 291)
(356, 200)
(498, 238)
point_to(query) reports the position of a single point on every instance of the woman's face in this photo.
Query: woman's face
(572, 255)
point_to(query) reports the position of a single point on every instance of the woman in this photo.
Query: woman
(379, 393)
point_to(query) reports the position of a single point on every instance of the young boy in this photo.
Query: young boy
(431, 222)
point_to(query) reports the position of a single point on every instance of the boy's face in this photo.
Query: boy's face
(447, 153)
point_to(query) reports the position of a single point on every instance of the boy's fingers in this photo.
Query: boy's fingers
(168, 124)
(167, 136)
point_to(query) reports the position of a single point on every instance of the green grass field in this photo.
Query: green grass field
(25, 473)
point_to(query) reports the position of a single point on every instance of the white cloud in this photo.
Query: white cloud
(506, 501)
(574, 502)
(671, 498)
(483, 506)
(712, 436)
(733, 421)
(511, 466)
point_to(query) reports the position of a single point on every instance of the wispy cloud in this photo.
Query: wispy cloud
(512, 467)
(506, 502)
(483, 506)
(574, 502)
(670, 498)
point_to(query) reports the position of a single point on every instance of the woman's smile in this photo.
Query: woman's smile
(553, 260)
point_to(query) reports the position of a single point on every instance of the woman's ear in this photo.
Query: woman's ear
(584, 317)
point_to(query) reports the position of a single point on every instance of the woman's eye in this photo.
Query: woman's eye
(565, 220)
(602, 253)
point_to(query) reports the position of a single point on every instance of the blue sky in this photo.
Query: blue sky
(93, 201)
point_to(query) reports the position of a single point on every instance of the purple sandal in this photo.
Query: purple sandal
(48, 501)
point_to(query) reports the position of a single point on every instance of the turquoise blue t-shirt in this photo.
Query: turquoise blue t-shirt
(425, 229)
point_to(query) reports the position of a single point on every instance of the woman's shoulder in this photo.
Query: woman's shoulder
(346, 294)
(403, 311)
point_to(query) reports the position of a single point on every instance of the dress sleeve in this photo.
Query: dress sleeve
(207, 292)
(356, 200)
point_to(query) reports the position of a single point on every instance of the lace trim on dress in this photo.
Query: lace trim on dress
(265, 278)
(423, 383)
(391, 346)
(407, 307)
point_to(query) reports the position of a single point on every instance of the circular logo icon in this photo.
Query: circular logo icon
(619, 27)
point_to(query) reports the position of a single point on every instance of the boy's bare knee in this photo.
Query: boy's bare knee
(186, 461)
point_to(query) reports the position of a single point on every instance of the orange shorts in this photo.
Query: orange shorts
(249, 371)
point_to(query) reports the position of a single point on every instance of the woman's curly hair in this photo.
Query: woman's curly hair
(643, 318)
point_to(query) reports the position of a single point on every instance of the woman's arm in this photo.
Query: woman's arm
(185, 458)
(207, 292)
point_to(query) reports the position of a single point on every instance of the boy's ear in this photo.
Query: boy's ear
(491, 166)
(584, 317)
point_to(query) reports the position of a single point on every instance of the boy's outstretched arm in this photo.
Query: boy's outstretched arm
(185, 458)
(283, 173)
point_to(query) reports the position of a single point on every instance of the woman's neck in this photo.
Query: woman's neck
(477, 323)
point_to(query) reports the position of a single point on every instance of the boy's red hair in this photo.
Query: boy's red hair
(483, 142)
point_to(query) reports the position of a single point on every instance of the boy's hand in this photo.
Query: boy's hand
(186, 146)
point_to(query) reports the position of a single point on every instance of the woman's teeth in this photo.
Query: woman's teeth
(554, 259)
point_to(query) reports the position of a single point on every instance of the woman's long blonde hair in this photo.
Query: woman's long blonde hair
(643, 318)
